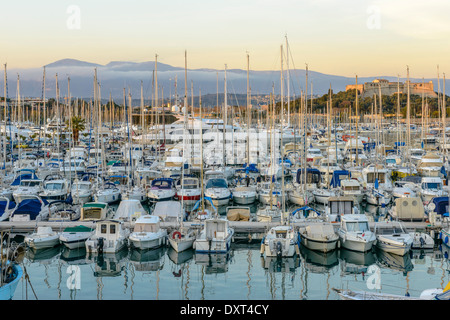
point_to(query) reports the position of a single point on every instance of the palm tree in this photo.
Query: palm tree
(78, 124)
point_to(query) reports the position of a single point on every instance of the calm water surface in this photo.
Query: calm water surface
(242, 274)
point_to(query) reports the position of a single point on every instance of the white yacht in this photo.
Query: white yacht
(162, 189)
(431, 187)
(319, 237)
(354, 233)
(27, 189)
(75, 237)
(81, 192)
(215, 237)
(43, 238)
(244, 195)
(110, 237)
(217, 190)
(392, 237)
(147, 233)
(280, 241)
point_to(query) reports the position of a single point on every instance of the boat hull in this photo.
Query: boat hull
(7, 290)
(318, 245)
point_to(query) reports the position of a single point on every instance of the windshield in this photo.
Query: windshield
(54, 186)
(432, 185)
(216, 183)
(357, 226)
(30, 183)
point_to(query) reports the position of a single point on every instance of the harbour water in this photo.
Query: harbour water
(241, 274)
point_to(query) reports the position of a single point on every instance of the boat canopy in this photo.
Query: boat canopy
(32, 207)
(168, 210)
(339, 175)
(441, 205)
(312, 175)
(162, 183)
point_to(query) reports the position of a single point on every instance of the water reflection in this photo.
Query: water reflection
(394, 261)
(108, 265)
(319, 262)
(352, 262)
(74, 256)
(148, 260)
(214, 262)
(280, 265)
(43, 256)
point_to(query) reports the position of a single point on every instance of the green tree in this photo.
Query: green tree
(78, 124)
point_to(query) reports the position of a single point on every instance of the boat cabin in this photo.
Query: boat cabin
(339, 206)
(147, 223)
(94, 211)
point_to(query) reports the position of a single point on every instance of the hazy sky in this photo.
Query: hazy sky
(342, 37)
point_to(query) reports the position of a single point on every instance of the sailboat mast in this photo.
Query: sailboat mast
(201, 149)
(5, 117)
(357, 120)
(225, 114)
(248, 112)
(444, 116)
(283, 206)
(288, 85)
(408, 120)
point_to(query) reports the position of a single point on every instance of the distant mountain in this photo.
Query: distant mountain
(73, 63)
(117, 75)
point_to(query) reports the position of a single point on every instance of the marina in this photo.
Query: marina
(140, 200)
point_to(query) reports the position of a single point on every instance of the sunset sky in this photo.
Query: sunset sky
(335, 37)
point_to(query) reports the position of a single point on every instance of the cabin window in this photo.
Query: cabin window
(112, 229)
(431, 185)
(372, 176)
(103, 229)
(357, 226)
(341, 207)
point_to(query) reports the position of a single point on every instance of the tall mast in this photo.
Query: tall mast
(201, 149)
(283, 205)
(288, 85)
(225, 114)
(357, 116)
(4, 118)
(408, 120)
(444, 116)
(248, 112)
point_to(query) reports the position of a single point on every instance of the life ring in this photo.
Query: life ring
(176, 235)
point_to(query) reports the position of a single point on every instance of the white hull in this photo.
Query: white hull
(143, 243)
(395, 248)
(355, 245)
(37, 244)
(181, 245)
(244, 198)
(322, 246)
(74, 240)
(116, 246)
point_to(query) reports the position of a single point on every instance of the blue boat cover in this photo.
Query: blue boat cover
(313, 175)
(441, 204)
(336, 178)
(11, 205)
(31, 207)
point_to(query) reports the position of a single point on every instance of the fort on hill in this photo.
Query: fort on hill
(369, 89)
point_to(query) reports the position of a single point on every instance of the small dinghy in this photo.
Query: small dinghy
(43, 238)
(75, 237)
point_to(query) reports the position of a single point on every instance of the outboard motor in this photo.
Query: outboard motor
(100, 244)
(279, 249)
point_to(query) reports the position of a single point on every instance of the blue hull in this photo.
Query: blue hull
(7, 290)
